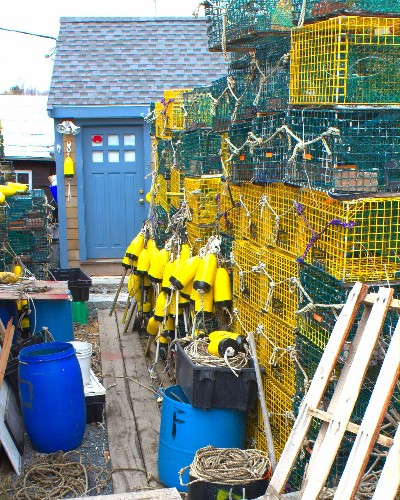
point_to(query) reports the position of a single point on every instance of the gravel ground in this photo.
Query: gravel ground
(94, 447)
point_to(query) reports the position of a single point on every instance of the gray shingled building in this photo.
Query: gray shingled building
(106, 73)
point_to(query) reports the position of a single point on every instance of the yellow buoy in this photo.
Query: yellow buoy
(133, 284)
(159, 309)
(206, 272)
(185, 252)
(126, 262)
(68, 167)
(185, 272)
(204, 301)
(166, 284)
(7, 190)
(135, 246)
(143, 263)
(187, 289)
(18, 186)
(2, 198)
(152, 326)
(219, 347)
(222, 288)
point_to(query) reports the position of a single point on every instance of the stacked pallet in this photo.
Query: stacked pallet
(305, 132)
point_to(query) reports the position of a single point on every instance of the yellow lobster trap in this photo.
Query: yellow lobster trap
(278, 285)
(357, 240)
(174, 108)
(346, 60)
(176, 183)
(247, 271)
(162, 131)
(229, 209)
(202, 197)
(198, 234)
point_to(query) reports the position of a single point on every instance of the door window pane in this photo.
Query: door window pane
(113, 140)
(113, 156)
(129, 156)
(129, 139)
(97, 156)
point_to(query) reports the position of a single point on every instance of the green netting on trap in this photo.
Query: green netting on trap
(320, 9)
(272, 60)
(224, 104)
(201, 152)
(272, 149)
(198, 108)
(354, 151)
(242, 162)
(231, 22)
(243, 77)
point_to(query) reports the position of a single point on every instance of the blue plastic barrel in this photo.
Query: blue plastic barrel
(185, 429)
(52, 397)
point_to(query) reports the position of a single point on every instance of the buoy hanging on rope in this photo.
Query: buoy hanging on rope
(159, 309)
(185, 272)
(204, 302)
(143, 263)
(152, 326)
(206, 272)
(69, 169)
(187, 290)
(222, 288)
(135, 246)
(166, 284)
(185, 252)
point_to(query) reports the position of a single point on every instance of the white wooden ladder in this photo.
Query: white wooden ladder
(336, 420)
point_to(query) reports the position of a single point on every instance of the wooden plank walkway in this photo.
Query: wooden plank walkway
(132, 411)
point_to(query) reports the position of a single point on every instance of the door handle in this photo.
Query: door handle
(141, 201)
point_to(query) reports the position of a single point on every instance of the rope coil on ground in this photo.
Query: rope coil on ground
(230, 466)
(57, 475)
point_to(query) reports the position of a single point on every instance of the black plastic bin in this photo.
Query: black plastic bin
(78, 282)
(214, 387)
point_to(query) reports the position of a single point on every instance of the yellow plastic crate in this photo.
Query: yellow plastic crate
(176, 183)
(198, 234)
(275, 348)
(359, 240)
(160, 193)
(229, 209)
(278, 291)
(202, 197)
(246, 278)
(162, 131)
(346, 60)
(279, 217)
(281, 420)
(175, 116)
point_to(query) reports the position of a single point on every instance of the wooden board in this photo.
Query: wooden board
(123, 438)
(5, 351)
(145, 407)
(57, 290)
(5, 437)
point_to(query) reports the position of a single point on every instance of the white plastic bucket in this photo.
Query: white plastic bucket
(84, 355)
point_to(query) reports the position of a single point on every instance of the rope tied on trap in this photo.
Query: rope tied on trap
(230, 466)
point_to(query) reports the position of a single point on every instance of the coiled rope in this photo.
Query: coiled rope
(197, 350)
(57, 475)
(228, 466)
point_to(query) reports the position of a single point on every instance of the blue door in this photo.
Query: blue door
(114, 188)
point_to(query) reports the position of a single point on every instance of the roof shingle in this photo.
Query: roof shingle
(140, 57)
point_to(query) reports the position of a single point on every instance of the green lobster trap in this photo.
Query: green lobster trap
(243, 77)
(242, 162)
(327, 8)
(199, 108)
(224, 104)
(271, 147)
(272, 62)
(350, 151)
(201, 153)
(230, 23)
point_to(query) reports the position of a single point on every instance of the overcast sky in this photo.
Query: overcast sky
(23, 58)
